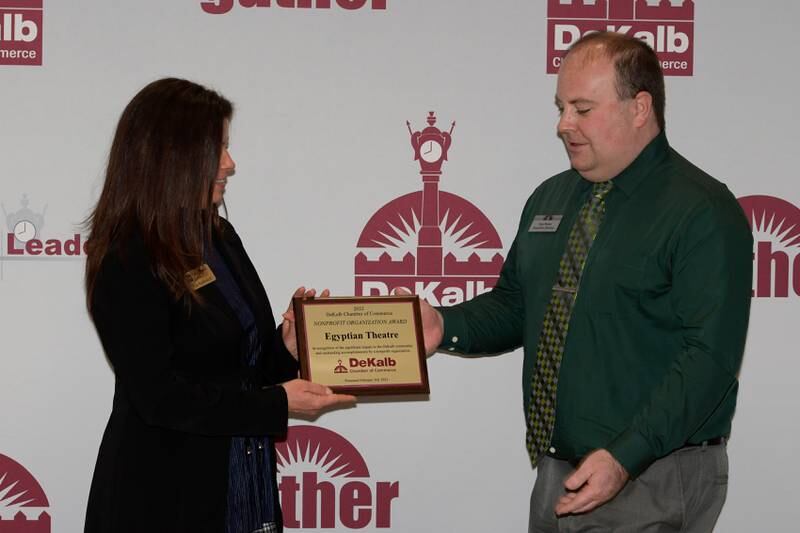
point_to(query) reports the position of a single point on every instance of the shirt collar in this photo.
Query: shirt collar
(630, 178)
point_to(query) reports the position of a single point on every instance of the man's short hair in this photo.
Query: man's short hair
(636, 65)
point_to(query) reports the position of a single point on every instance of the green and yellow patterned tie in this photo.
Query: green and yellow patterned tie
(542, 409)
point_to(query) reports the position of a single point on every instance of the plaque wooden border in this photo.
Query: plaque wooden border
(299, 304)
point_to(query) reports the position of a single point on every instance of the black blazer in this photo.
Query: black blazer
(178, 399)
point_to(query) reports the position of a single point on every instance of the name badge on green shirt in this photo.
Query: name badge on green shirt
(545, 223)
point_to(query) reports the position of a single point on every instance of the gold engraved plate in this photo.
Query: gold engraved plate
(362, 345)
(200, 277)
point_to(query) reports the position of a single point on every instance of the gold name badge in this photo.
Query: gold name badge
(200, 277)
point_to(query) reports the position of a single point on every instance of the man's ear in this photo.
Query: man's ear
(643, 102)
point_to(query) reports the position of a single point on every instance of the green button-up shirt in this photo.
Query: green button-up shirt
(658, 327)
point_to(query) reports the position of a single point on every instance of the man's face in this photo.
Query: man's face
(597, 128)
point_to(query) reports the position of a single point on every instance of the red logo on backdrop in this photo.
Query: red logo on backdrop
(220, 7)
(776, 254)
(434, 243)
(23, 504)
(324, 483)
(21, 32)
(667, 26)
(24, 240)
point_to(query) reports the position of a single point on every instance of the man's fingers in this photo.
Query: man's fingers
(401, 291)
(565, 500)
(584, 498)
(576, 499)
(577, 479)
(598, 479)
(586, 508)
(325, 293)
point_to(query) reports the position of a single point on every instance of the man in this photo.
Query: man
(628, 285)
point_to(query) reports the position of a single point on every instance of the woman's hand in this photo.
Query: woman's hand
(288, 328)
(311, 399)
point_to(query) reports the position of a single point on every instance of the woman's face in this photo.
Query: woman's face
(227, 168)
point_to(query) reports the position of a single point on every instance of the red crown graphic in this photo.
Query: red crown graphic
(22, 524)
(20, 490)
(577, 9)
(620, 9)
(28, 4)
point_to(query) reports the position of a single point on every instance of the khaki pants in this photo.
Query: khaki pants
(682, 492)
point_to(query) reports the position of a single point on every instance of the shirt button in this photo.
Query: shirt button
(452, 349)
(552, 450)
(454, 339)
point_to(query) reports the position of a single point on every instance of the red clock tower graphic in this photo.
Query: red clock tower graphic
(432, 242)
(430, 149)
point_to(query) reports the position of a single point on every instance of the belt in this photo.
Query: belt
(710, 442)
(716, 441)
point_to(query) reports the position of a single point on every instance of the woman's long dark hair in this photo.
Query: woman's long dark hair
(159, 181)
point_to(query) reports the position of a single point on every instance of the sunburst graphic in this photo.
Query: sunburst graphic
(773, 219)
(12, 498)
(321, 450)
(394, 228)
(461, 240)
(19, 492)
(776, 245)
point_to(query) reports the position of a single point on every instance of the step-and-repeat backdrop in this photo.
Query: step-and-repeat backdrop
(329, 96)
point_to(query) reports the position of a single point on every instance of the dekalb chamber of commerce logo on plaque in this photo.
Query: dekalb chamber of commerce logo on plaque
(776, 245)
(21, 32)
(324, 483)
(23, 503)
(666, 25)
(434, 243)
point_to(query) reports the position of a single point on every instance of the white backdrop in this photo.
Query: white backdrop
(320, 141)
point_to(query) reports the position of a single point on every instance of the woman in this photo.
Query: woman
(204, 380)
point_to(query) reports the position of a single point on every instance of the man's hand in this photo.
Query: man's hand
(288, 328)
(597, 479)
(311, 399)
(432, 323)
